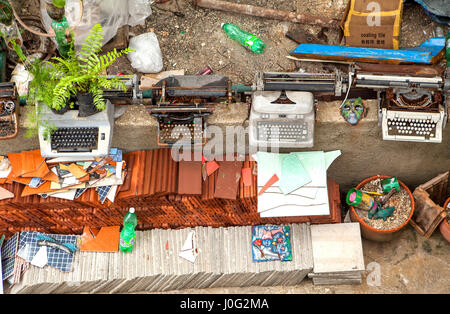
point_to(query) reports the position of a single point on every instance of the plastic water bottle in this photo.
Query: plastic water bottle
(247, 40)
(128, 234)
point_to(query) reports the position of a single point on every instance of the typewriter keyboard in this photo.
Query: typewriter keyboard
(412, 127)
(75, 139)
(170, 133)
(289, 131)
(7, 128)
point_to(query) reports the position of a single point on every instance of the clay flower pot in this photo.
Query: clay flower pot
(380, 235)
(444, 227)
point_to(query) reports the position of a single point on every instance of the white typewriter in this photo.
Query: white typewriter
(282, 119)
(423, 122)
(75, 136)
(412, 126)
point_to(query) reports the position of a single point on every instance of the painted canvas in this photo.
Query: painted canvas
(271, 243)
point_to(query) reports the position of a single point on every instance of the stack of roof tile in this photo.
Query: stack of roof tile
(224, 259)
(154, 186)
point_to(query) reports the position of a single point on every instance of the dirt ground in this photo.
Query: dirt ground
(196, 40)
(190, 37)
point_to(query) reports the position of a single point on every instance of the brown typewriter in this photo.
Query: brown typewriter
(181, 105)
(9, 105)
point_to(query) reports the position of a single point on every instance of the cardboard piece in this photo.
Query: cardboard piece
(148, 80)
(105, 239)
(373, 24)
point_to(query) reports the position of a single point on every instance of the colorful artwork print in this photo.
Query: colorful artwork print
(271, 243)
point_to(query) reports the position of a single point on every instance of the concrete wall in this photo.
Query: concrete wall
(364, 153)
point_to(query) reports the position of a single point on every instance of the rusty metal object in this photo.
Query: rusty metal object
(401, 69)
(267, 13)
(300, 36)
(9, 100)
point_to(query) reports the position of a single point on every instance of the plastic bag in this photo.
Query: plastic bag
(22, 78)
(148, 56)
(110, 14)
(138, 11)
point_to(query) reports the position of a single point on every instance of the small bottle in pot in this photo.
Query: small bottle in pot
(361, 200)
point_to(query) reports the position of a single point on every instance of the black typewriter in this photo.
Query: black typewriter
(78, 139)
(9, 104)
(181, 105)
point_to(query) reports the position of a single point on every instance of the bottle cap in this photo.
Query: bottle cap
(221, 25)
(131, 210)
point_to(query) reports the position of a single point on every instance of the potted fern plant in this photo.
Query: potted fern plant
(79, 77)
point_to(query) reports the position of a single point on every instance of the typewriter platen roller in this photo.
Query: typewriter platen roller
(182, 104)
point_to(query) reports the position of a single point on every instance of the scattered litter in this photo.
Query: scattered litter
(188, 251)
(438, 10)
(22, 78)
(246, 39)
(147, 57)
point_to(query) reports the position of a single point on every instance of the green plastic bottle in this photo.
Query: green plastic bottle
(247, 40)
(128, 234)
(59, 3)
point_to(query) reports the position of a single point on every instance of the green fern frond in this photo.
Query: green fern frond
(81, 73)
(93, 43)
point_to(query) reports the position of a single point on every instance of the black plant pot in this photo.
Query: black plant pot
(60, 111)
(86, 105)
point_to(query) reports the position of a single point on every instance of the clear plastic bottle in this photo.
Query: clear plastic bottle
(128, 234)
(247, 40)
